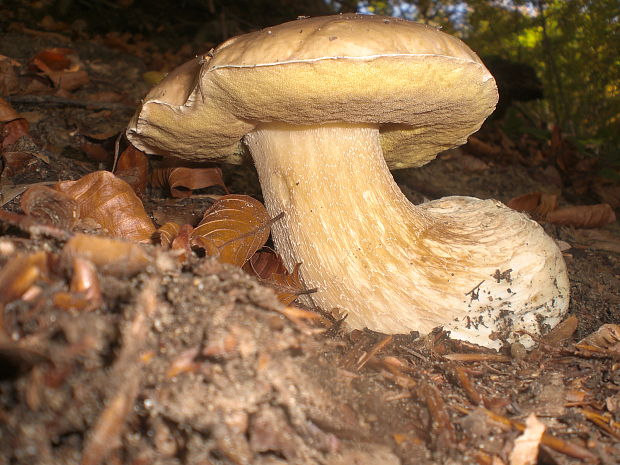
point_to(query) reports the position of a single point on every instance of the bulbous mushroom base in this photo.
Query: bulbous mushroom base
(475, 267)
(523, 283)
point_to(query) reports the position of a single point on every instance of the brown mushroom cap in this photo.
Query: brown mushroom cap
(426, 90)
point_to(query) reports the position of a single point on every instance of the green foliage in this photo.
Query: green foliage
(574, 46)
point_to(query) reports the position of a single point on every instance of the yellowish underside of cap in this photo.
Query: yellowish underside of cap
(423, 103)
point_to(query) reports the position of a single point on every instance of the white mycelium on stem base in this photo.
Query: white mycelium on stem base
(326, 105)
(473, 266)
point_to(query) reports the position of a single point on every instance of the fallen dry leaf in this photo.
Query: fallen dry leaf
(9, 83)
(583, 216)
(562, 332)
(16, 162)
(267, 266)
(58, 67)
(17, 277)
(14, 125)
(166, 233)
(112, 203)
(7, 112)
(95, 150)
(133, 168)
(109, 255)
(50, 206)
(237, 225)
(182, 181)
(106, 433)
(55, 58)
(183, 241)
(544, 207)
(606, 337)
(608, 192)
(562, 151)
(525, 451)
(536, 204)
(12, 131)
(85, 280)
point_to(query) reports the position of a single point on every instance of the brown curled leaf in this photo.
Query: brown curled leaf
(264, 263)
(17, 162)
(109, 255)
(95, 150)
(133, 168)
(208, 245)
(12, 132)
(584, 216)
(57, 65)
(7, 112)
(182, 181)
(536, 204)
(166, 233)
(562, 332)
(9, 83)
(55, 58)
(267, 266)
(50, 206)
(606, 337)
(112, 203)
(182, 242)
(237, 225)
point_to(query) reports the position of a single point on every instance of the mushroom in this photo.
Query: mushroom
(325, 107)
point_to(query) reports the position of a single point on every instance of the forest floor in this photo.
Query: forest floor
(201, 364)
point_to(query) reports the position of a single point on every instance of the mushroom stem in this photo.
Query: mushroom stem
(390, 265)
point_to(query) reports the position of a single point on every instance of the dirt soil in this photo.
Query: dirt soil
(201, 364)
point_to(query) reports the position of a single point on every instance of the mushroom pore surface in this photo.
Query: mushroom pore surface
(472, 266)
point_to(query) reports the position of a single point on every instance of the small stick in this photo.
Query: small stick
(54, 101)
(465, 382)
(473, 357)
(374, 351)
(29, 225)
(607, 424)
(559, 445)
(441, 429)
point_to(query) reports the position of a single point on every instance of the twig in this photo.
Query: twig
(374, 351)
(29, 225)
(441, 429)
(106, 434)
(54, 101)
(608, 425)
(465, 382)
(559, 445)
(266, 224)
(476, 357)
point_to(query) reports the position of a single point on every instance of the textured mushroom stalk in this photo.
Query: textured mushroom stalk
(472, 266)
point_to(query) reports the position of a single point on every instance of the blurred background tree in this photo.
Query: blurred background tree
(574, 46)
(571, 46)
